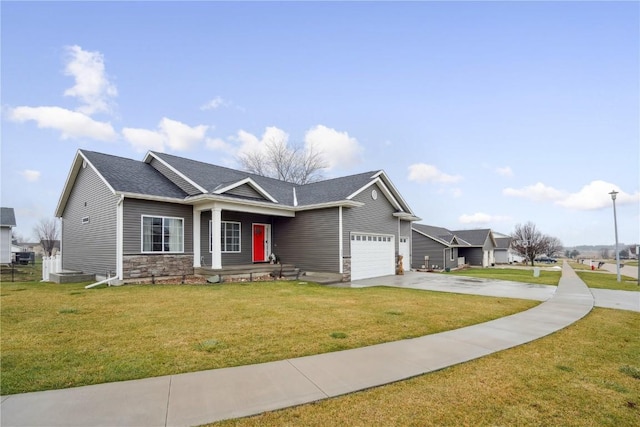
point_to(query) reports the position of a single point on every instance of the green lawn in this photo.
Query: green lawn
(58, 336)
(520, 274)
(585, 375)
(609, 281)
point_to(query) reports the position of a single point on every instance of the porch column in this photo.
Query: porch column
(216, 251)
(196, 238)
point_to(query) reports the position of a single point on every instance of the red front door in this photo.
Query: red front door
(259, 238)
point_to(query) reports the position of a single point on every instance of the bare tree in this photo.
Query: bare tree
(553, 246)
(528, 242)
(47, 232)
(288, 163)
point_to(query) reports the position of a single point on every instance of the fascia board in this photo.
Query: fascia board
(140, 196)
(343, 203)
(217, 199)
(150, 155)
(250, 182)
(398, 196)
(76, 165)
(406, 216)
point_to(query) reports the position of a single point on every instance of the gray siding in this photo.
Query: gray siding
(439, 254)
(310, 240)
(89, 247)
(132, 229)
(472, 256)
(175, 178)
(245, 190)
(376, 216)
(246, 236)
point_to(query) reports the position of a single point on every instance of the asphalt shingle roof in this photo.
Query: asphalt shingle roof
(474, 237)
(132, 176)
(440, 233)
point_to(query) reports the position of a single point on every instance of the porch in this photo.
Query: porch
(262, 270)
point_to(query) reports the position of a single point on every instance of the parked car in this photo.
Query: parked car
(545, 260)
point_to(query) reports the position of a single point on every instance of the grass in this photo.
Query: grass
(547, 277)
(21, 273)
(57, 336)
(608, 281)
(584, 375)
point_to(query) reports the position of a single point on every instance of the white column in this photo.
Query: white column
(216, 252)
(196, 238)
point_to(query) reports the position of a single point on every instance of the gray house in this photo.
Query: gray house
(482, 245)
(7, 222)
(435, 248)
(502, 251)
(167, 215)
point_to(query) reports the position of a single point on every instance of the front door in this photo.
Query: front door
(260, 242)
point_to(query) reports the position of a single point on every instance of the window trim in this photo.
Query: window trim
(182, 221)
(222, 236)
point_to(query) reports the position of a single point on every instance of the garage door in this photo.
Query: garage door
(372, 255)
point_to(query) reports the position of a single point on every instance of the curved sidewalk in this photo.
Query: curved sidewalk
(207, 396)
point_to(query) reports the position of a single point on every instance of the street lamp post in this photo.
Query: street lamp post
(615, 225)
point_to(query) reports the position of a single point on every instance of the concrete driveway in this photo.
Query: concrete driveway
(622, 300)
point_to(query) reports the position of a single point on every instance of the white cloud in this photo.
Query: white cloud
(215, 103)
(505, 171)
(421, 172)
(481, 218)
(537, 192)
(250, 143)
(144, 140)
(92, 87)
(340, 150)
(217, 144)
(30, 175)
(72, 124)
(595, 195)
(170, 134)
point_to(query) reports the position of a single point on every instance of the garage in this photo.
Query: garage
(372, 255)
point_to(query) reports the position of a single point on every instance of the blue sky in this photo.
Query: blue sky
(483, 114)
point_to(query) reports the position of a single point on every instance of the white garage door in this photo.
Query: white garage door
(404, 249)
(372, 255)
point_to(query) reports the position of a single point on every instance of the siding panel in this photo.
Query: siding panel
(89, 247)
(245, 190)
(174, 177)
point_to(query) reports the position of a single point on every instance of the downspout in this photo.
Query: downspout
(340, 241)
(93, 285)
(119, 238)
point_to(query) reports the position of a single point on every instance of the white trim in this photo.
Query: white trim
(211, 244)
(251, 183)
(385, 191)
(216, 250)
(266, 208)
(295, 197)
(197, 238)
(174, 170)
(340, 241)
(345, 203)
(142, 251)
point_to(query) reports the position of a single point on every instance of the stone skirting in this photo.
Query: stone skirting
(143, 266)
(346, 269)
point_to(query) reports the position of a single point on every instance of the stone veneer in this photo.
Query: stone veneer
(346, 269)
(142, 266)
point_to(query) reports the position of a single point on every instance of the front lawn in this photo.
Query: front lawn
(520, 274)
(585, 375)
(609, 281)
(58, 336)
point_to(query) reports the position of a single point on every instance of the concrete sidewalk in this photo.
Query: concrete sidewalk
(203, 397)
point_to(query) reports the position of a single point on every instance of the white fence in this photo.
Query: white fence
(51, 264)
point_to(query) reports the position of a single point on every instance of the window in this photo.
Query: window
(229, 236)
(162, 234)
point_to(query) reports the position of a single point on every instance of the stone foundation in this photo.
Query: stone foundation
(346, 269)
(144, 266)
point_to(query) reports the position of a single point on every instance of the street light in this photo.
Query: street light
(615, 225)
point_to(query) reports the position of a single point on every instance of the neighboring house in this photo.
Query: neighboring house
(167, 215)
(440, 245)
(481, 249)
(502, 251)
(7, 222)
(36, 247)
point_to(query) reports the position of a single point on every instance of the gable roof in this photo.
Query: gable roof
(7, 217)
(189, 181)
(476, 237)
(440, 235)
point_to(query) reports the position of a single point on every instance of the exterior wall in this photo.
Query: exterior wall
(376, 216)
(174, 177)
(89, 247)
(5, 247)
(310, 240)
(423, 246)
(473, 256)
(245, 191)
(138, 265)
(246, 236)
(502, 256)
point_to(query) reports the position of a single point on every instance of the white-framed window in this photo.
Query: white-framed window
(230, 233)
(162, 234)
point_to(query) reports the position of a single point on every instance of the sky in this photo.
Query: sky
(482, 114)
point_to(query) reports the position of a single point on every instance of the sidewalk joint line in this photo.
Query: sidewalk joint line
(166, 414)
(308, 379)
